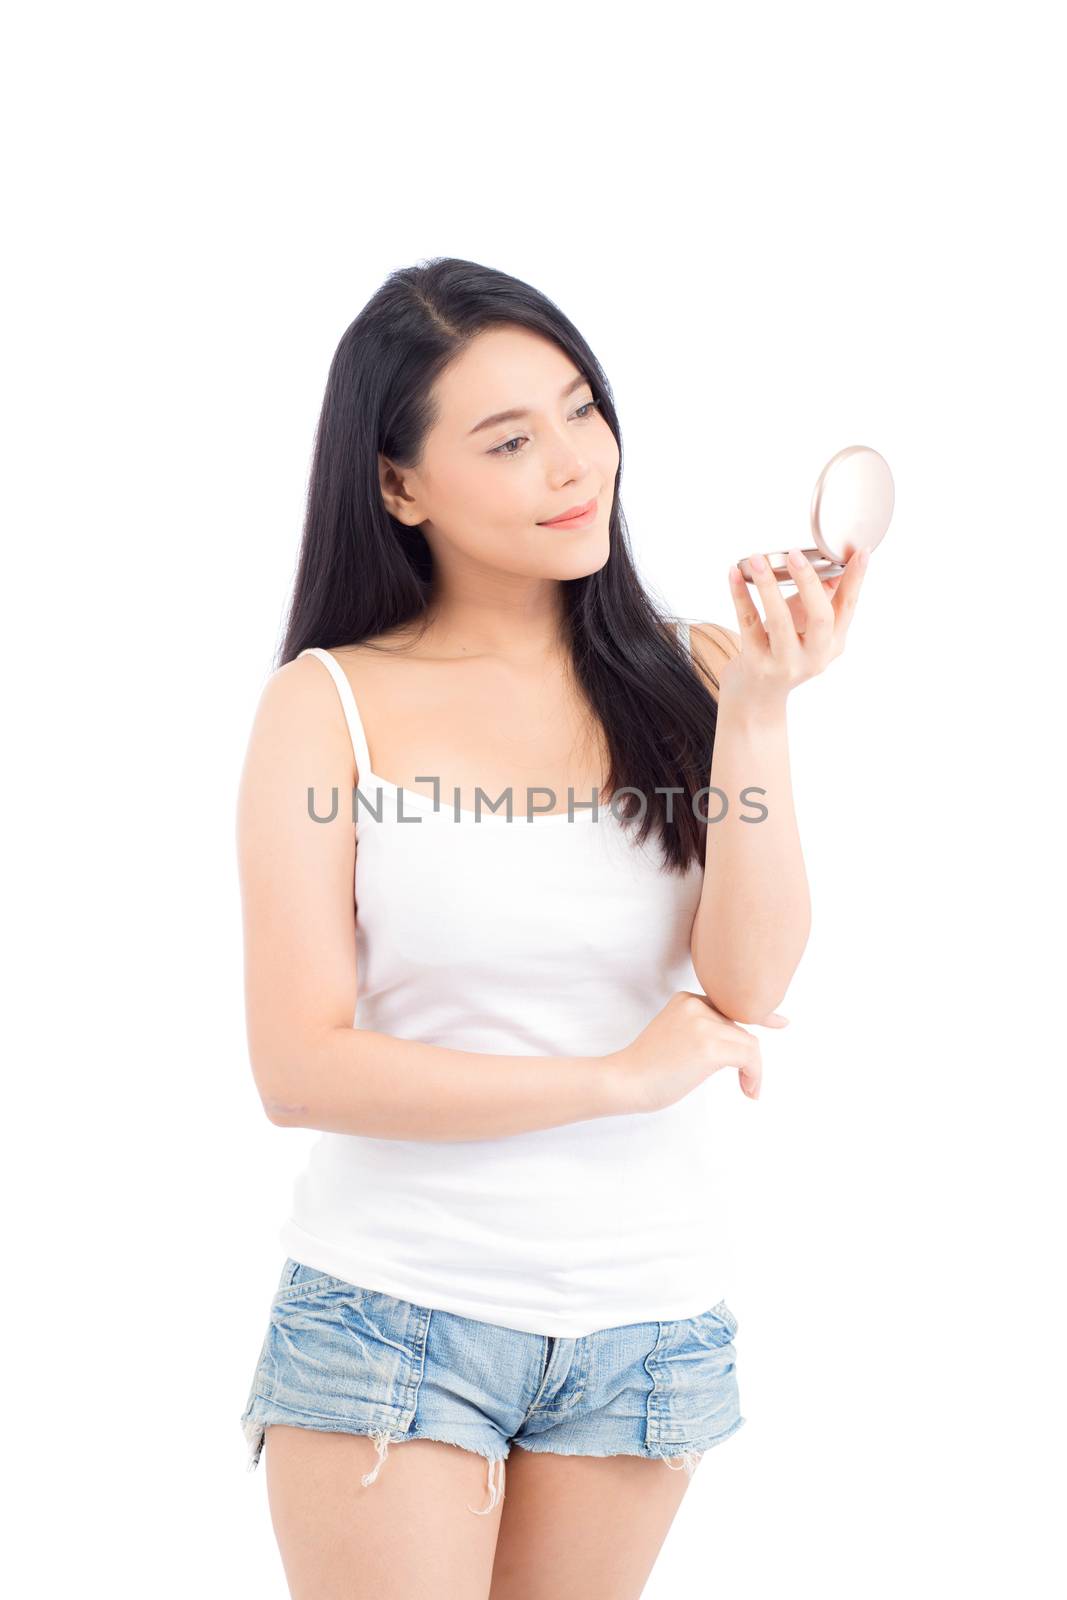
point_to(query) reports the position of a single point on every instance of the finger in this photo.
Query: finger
(773, 1019)
(820, 621)
(847, 593)
(749, 621)
(781, 629)
(751, 1079)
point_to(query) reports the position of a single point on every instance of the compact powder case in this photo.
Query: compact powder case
(851, 509)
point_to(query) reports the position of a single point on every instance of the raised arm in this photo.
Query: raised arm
(312, 1067)
(753, 918)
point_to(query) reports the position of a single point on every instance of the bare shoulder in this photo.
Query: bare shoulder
(712, 645)
(299, 693)
(299, 720)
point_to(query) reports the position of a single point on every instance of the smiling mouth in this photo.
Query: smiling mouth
(580, 514)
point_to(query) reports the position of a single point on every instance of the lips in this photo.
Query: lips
(572, 515)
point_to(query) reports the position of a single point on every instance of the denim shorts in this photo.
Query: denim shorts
(343, 1359)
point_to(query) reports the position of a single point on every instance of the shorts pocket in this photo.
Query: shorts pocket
(336, 1352)
(694, 1399)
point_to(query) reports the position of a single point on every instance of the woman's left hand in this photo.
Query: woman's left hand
(796, 638)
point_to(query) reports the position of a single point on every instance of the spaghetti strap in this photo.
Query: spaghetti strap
(351, 711)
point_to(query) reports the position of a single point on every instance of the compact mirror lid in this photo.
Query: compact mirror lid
(852, 504)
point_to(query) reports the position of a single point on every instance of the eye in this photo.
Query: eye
(589, 407)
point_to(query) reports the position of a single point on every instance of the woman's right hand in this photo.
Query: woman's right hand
(684, 1044)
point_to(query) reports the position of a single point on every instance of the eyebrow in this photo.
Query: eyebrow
(519, 412)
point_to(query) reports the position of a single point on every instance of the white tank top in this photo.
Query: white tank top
(545, 937)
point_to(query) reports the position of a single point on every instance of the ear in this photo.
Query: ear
(396, 496)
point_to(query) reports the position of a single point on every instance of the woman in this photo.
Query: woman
(504, 1234)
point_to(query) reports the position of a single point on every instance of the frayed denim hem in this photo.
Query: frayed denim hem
(255, 1433)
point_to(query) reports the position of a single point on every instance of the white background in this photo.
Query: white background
(784, 229)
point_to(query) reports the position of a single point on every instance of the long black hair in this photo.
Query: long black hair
(362, 573)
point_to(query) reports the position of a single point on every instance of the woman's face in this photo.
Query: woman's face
(484, 487)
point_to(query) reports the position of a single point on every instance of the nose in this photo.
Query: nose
(567, 463)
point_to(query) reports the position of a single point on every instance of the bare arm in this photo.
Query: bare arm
(312, 1068)
(754, 915)
(356, 1081)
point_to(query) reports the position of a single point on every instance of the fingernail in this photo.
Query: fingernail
(796, 558)
(758, 564)
(864, 557)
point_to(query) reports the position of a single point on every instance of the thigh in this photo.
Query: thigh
(406, 1537)
(583, 1527)
(607, 1452)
